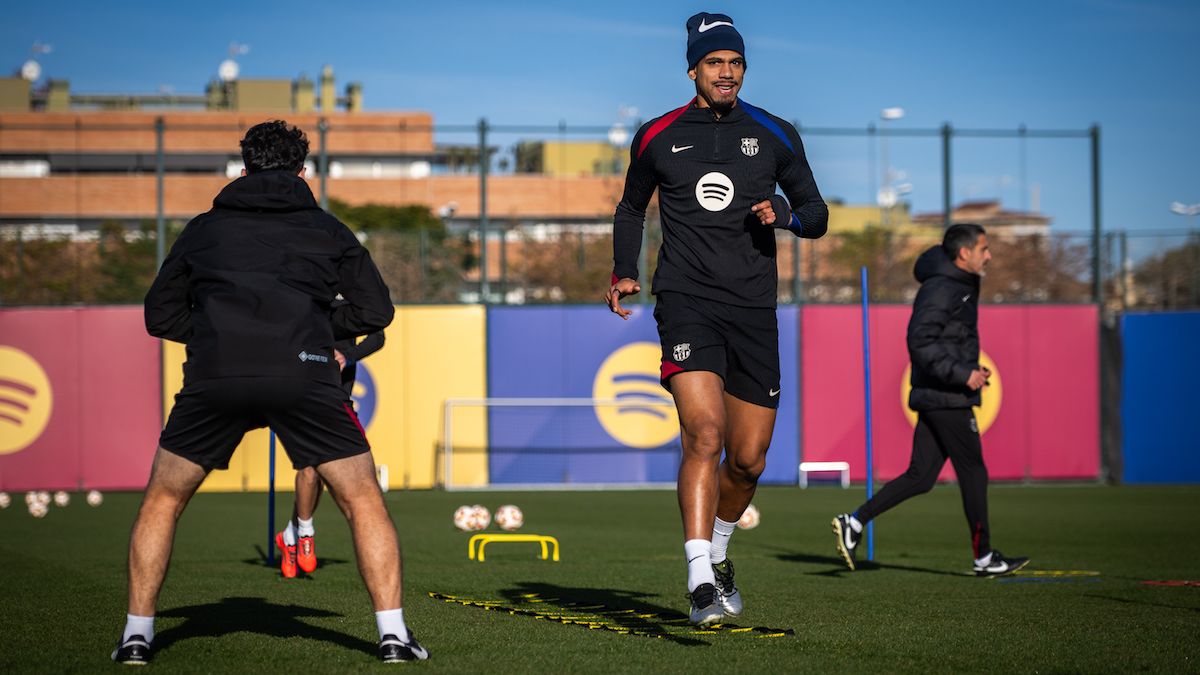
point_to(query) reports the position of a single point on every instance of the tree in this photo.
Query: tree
(125, 265)
(417, 257)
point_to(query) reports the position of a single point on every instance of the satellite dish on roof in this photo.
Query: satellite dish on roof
(228, 70)
(31, 70)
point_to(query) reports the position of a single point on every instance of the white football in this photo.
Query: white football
(94, 498)
(5, 500)
(37, 509)
(509, 517)
(750, 518)
(462, 517)
(44, 497)
(30, 497)
(61, 498)
(480, 517)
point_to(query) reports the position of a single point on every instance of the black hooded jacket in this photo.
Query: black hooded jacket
(249, 286)
(943, 334)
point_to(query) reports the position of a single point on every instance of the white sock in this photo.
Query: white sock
(391, 622)
(698, 552)
(722, 531)
(306, 527)
(138, 625)
(984, 561)
(289, 534)
(856, 525)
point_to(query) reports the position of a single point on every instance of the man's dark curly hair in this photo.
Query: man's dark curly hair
(274, 146)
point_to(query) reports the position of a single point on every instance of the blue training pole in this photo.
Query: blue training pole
(866, 341)
(271, 503)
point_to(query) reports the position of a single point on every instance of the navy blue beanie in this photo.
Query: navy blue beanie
(709, 33)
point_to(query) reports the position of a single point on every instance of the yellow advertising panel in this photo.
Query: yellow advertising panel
(430, 354)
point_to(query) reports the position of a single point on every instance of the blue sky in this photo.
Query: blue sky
(1131, 67)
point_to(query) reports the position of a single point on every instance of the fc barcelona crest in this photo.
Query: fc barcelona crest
(682, 351)
(749, 147)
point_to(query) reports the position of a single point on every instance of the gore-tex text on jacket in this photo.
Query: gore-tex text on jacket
(249, 285)
(709, 171)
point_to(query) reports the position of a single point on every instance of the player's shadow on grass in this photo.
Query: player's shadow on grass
(252, 615)
(859, 565)
(626, 609)
(1130, 601)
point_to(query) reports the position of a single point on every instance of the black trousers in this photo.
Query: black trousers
(942, 435)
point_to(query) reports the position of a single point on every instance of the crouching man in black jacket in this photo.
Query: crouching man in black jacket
(947, 379)
(249, 287)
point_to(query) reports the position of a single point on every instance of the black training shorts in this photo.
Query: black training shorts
(314, 420)
(741, 344)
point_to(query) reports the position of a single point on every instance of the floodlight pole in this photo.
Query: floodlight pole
(1097, 287)
(160, 246)
(323, 158)
(947, 134)
(484, 288)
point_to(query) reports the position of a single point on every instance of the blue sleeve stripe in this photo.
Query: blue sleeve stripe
(795, 223)
(761, 117)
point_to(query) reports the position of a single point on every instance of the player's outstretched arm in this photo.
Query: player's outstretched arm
(167, 308)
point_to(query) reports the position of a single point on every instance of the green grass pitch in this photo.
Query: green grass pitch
(614, 602)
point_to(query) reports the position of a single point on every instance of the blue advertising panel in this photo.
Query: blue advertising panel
(588, 353)
(1158, 397)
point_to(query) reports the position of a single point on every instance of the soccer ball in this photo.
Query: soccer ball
(509, 517)
(750, 518)
(5, 500)
(44, 498)
(61, 498)
(470, 518)
(480, 517)
(462, 518)
(38, 510)
(94, 498)
(30, 498)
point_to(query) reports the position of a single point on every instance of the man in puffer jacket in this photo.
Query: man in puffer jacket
(947, 380)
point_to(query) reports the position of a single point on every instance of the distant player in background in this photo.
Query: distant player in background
(947, 380)
(297, 541)
(716, 163)
(249, 288)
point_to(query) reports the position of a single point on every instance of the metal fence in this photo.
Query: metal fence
(1140, 270)
(546, 219)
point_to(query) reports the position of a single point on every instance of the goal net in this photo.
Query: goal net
(568, 443)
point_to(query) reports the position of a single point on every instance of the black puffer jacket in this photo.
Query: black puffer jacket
(943, 334)
(249, 286)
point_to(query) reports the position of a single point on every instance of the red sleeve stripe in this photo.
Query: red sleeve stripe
(662, 123)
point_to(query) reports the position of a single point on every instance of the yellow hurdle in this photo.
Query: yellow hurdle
(487, 538)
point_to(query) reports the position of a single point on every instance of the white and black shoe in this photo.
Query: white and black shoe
(394, 650)
(132, 652)
(847, 538)
(999, 565)
(705, 608)
(727, 593)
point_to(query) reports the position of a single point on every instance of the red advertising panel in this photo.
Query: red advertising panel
(1039, 418)
(79, 398)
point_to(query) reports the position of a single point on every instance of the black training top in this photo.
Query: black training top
(709, 171)
(249, 286)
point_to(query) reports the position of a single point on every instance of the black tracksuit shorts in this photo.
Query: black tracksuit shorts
(314, 420)
(741, 344)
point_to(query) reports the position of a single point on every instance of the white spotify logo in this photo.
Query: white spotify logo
(714, 191)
